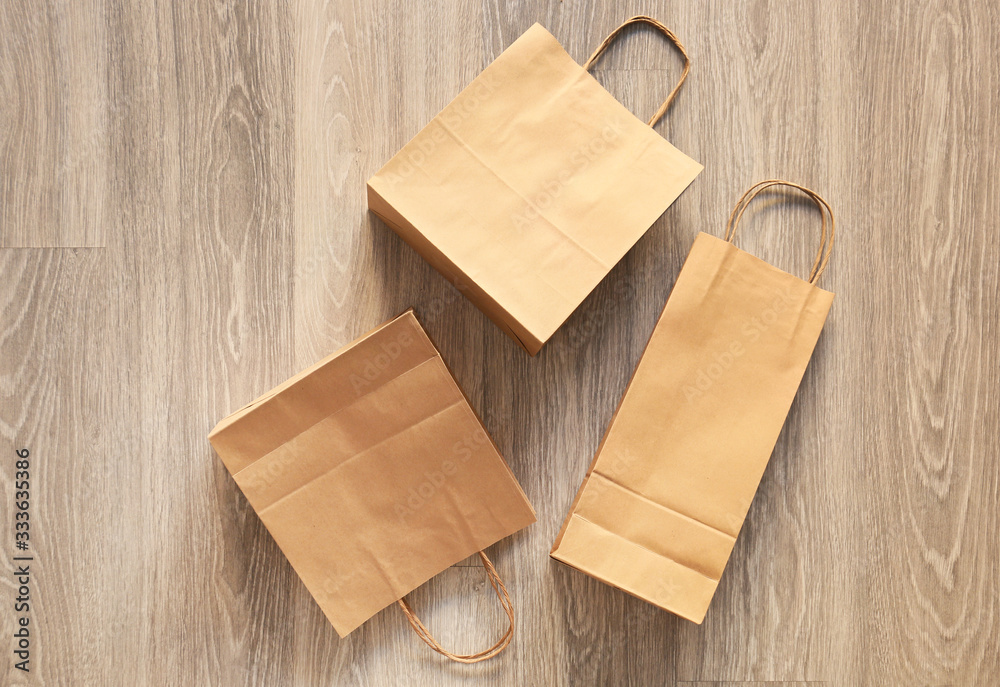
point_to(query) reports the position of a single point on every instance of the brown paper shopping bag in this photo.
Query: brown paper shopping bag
(532, 184)
(373, 474)
(666, 495)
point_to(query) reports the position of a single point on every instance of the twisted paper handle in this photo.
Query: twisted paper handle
(673, 39)
(825, 243)
(501, 592)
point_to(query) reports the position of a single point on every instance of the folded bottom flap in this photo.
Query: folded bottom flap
(632, 568)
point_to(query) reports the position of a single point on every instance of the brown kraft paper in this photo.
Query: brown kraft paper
(531, 185)
(667, 493)
(372, 473)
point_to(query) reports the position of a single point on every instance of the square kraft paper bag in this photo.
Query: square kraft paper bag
(372, 472)
(530, 186)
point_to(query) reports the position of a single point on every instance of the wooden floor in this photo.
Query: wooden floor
(183, 225)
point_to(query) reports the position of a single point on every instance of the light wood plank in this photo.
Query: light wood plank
(54, 384)
(218, 153)
(55, 120)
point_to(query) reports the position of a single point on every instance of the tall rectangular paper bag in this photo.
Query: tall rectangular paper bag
(673, 478)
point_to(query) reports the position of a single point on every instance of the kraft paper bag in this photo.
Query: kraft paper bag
(667, 493)
(373, 474)
(532, 184)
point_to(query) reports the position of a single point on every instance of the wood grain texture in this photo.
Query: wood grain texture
(55, 119)
(183, 225)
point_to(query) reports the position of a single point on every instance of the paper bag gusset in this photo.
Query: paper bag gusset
(667, 493)
(373, 474)
(532, 184)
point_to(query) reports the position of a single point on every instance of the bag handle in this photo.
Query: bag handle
(501, 591)
(825, 244)
(642, 19)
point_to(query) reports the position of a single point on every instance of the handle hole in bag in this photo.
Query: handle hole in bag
(658, 27)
